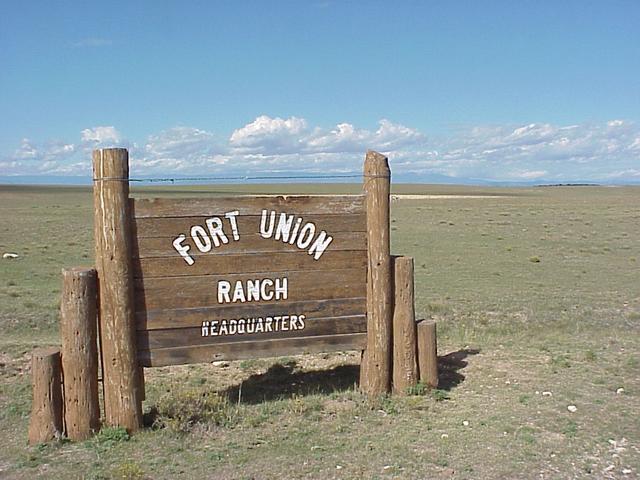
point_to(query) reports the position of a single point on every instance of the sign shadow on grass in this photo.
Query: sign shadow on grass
(283, 380)
(449, 367)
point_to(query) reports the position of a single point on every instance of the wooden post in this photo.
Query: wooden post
(46, 409)
(375, 377)
(122, 399)
(78, 327)
(428, 353)
(405, 366)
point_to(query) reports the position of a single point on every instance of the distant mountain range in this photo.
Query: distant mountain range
(397, 178)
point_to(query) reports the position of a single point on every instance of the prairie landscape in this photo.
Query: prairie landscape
(536, 294)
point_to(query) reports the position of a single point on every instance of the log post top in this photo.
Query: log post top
(43, 352)
(376, 165)
(111, 164)
(78, 271)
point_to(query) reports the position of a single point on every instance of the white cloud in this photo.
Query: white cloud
(530, 152)
(102, 136)
(26, 150)
(391, 136)
(341, 139)
(179, 149)
(266, 134)
(581, 152)
(33, 158)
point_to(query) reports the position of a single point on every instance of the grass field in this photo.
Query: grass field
(537, 297)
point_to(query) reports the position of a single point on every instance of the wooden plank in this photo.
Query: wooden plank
(163, 246)
(257, 349)
(201, 291)
(186, 317)
(207, 264)
(169, 227)
(186, 337)
(249, 205)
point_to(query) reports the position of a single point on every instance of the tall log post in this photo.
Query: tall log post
(405, 366)
(122, 396)
(78, 317)
(428, 353)
(375, 376)
(45, 422)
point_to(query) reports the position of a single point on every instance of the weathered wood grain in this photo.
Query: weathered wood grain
(188, 317)
(405, 366)
(169, 227)
(122, 400)
(428, 353)
(186, 337)
(375, 378)
(78, 330)
(249, 205)
(207, 264)
(246, 350)
(201, 291)
(45, 422)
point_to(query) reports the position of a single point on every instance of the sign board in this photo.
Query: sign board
(248, 276)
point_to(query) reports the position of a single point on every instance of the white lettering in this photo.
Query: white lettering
(183, 249)
(253, 290)
(238, 293)
(200, 238)
(205, 329)
(223, 328)
(294, 234)
(251, 325)
(309, 230)
(281, 288)
(264, 232)
(284, 227)
(234, 224)
(216, 231)
(320, 245)
(224, 288)
(233, 327)
(240, 326)
(267, 282)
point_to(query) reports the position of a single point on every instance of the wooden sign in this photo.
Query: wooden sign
(195, 280)
(248, 276)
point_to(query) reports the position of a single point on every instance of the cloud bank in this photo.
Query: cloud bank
(605, 152)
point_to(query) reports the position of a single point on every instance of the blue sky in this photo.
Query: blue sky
(490, 90)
